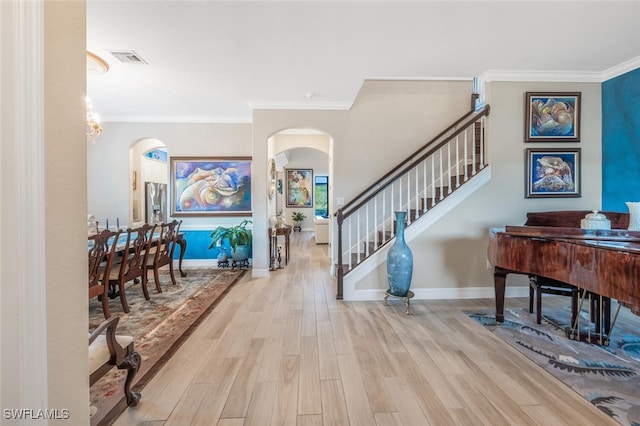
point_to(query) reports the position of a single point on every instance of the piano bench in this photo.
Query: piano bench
(539, 285)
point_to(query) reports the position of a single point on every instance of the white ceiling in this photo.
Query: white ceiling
(213, 61)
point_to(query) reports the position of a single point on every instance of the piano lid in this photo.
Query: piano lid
(574, 233)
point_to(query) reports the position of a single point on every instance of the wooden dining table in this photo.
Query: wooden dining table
(180, 240)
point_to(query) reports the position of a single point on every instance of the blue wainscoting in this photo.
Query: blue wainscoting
(620, 141)
(198, 246)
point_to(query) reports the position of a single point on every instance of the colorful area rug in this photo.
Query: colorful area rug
(607, 376)
(159, 327)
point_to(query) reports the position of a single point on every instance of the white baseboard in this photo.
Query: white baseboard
(441, 293)
(197, 263)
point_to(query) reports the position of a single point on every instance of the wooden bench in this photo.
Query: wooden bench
(107, 350)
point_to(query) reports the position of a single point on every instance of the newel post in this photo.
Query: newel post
(340, 219)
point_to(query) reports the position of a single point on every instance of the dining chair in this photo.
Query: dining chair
(131, 264)
(107, 349)
(102, 249)
(161, 252)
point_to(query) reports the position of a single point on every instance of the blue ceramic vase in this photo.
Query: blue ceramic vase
(399, 261)
(222, 256)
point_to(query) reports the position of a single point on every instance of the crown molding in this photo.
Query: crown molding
(549, 76)
(562, 76)
(620, 69)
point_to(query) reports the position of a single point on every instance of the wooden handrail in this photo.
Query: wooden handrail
(404, 166)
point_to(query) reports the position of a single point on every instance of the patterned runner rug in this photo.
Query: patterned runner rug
(159, 327)
(607, 376)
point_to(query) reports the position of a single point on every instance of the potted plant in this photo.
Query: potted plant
(297, 218)
(239, 237)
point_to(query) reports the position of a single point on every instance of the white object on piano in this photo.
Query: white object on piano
(634, 215)
(595, 220)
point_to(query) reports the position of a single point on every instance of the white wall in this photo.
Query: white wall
(452, 254)
(388, 121)
(66, 236)
(287, 141)
(109, 177)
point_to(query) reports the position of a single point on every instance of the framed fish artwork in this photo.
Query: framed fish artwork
(552, 117)
(210, 186)
(553, 172)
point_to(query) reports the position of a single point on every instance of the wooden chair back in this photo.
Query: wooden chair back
(135, 252)
(102, 248)
(134, 260)
(163, 252)
(166, 244)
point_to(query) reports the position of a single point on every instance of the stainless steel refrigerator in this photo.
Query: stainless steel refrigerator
(156, 202)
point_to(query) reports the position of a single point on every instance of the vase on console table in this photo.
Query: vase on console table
(634, 215)
(399, 261)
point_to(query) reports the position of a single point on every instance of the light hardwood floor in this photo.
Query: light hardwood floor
(282, 351)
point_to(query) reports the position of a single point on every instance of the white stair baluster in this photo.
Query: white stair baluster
(425, 196)
(466, 158)
(441, 176)
(473, 151)
(457, 162)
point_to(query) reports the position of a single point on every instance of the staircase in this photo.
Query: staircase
(418, 185)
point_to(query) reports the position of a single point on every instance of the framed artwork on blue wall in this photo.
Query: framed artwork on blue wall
(553, 173)
(552, 117)
(210, 186)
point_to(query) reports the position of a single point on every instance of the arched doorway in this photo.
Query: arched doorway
(149, 171)
(304, 149)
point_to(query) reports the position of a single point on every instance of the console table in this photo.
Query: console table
(273, 234)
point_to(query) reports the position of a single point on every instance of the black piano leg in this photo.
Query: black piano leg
(531, 296)
(499, 280)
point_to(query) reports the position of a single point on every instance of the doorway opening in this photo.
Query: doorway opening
(309, 150)
(321, 193)
(149, 171)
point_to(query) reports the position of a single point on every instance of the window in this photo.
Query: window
(321, 193)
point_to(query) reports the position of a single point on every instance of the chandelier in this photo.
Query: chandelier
(94, 129)
(95, 66)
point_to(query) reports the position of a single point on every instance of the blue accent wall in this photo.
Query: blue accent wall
(198, 245)
(621, 141)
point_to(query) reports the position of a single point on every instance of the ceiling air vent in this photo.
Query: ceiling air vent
(128, 57)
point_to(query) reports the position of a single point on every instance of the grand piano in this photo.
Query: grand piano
(549, 245)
